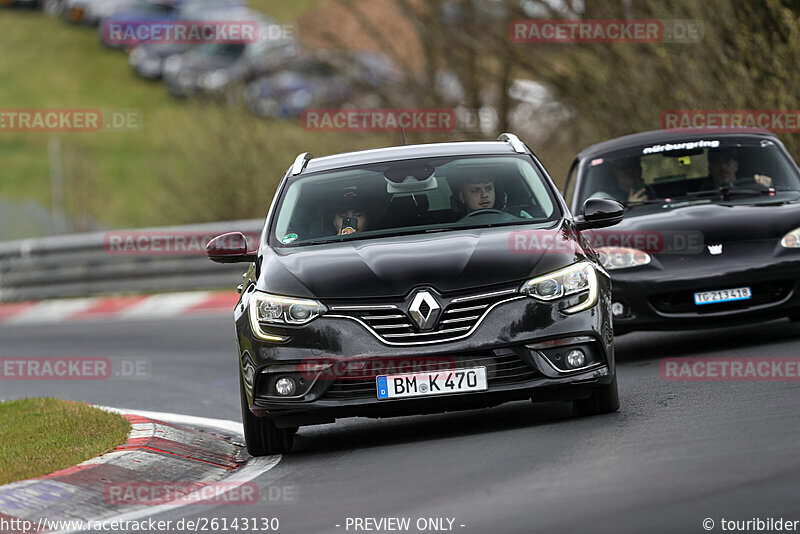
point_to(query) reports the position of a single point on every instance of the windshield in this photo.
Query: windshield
(710, 169)
(413, 196)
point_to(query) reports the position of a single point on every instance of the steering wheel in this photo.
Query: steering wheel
(483, 211)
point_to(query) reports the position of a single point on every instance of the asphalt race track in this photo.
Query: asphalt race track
(676, 453)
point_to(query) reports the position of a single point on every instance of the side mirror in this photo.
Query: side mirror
(230, 248)
(600, 213)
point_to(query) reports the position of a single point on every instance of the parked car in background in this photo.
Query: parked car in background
(31, 4)
(147, 59)
(323, 79)
(711, 235)
(89, 12)
(139, 10)
(214, 69)
(53, 7)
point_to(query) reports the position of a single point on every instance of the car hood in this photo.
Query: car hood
(391, 267)
(718, 223)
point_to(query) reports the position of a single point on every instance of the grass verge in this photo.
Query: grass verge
(112, 177)
(43, 435)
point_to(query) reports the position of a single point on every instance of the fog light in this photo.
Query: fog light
(576, 358)
(618, 309)
(285, 386)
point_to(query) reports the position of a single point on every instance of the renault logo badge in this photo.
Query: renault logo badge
(425, 310)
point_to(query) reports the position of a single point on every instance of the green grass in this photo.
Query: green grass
(112, 176)
(45, 63)
(40, 436)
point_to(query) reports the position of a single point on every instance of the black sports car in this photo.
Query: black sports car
(385, 284)
(711, 234)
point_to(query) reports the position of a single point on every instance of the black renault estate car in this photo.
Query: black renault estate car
(711, 235)
(419, 279)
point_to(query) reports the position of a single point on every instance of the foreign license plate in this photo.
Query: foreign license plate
(722, 295)
(433, 383)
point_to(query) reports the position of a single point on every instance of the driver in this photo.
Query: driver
(477, 194)
(723, 168)
(628, 186)
(350, 208)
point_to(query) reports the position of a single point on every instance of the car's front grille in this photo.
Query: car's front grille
(393, 325)
(505, 369)
(683, 301)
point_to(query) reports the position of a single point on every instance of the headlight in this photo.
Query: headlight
(622, 258)
(792, 239)
(572, 280)
(268, 309)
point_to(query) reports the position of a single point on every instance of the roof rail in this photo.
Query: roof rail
(300, 163)
(513, 140)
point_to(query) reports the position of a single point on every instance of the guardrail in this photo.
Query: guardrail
(89, 264)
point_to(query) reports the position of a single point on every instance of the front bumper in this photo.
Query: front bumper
(661, 295)
(520, 342)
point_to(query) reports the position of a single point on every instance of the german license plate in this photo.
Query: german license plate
(722, 295)
(433, 383)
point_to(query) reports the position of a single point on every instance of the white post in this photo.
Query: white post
(56, 185)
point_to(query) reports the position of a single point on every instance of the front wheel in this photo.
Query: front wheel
(261, 435)
(604, 399)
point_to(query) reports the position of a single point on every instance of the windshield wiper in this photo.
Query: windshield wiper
(411, 231)
(727, 191)
(357, 237)
(703, 193)
(645, 202)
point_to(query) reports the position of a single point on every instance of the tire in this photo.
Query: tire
(261, 435)
(604, 399)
